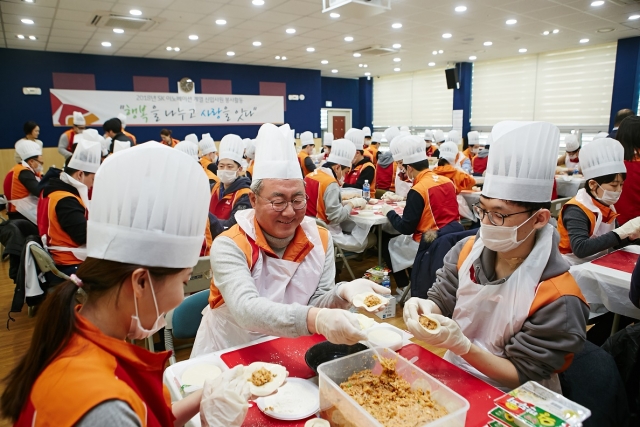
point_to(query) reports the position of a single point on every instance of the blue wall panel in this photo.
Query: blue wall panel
(626, 80)
(462, 96)
(343, 93)
(23, 68)
(366, 102)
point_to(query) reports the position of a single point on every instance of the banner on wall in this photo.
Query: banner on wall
(160, 109)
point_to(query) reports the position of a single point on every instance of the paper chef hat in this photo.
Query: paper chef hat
(78, 119)
(394, 147)
(405, 129)
(27, 149)
(275, 154)
(453, 136)
(342, 152)
(390, 133)
(207, 145)
(120, 145)
(191, 138)
(87, 156)
(327, 139)
(161, 202)
(250, 151)
(367, 131)
(188, 147)
(306, 138)
(428, 135)
(411, 149)
(601, 157)
(473, 138)
(356, 136)
(286, 130)
(376, 137)
(231, 147)
(438, 136)
(449, 152)
(522, 161)
(571, 142)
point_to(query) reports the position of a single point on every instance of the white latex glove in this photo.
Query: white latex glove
(387, 195)
(348, 290)
(386, 209)
(631, 227)
(415, 306)
(358, 202)
(224, 399)
(339, 326)
(448, 335)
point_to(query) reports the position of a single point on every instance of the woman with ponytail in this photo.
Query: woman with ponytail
(144, 234)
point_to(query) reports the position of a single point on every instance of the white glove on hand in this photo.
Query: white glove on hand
(348, 290)
(415, 306)
(387, 195)
(339, 326)
(631, 227)
(386, 209)
(448, 335)
(224, 399)
(358, 202)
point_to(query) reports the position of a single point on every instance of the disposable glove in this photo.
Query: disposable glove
(415, 306)
(388, 195)
(358, 202)
(386, 209)
(631, 227)
(224, 399)
(448, 335)
(339, 326)
(348, 290)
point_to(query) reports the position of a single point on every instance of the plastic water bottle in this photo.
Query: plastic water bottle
(366, 190)
(386, 282)
(576, 170)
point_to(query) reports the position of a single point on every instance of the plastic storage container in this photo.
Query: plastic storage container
(341, 410)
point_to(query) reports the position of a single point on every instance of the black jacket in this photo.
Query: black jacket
(120, 137)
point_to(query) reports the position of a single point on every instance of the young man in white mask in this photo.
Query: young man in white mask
(21, 183)
(231, 194)
(509, 310)
(63, 208)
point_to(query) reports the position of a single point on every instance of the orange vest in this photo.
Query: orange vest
(352, 176)
(250, 169)
(133, 138)
(205, 162)
(13, 188)
(222, 208)
(302, 155)
(440, 203)
(369, 154)
(316, 184)
(608, 216)
(70, 135)
(92, 369)
(461, 180)
(373, 149)
(546, 293)
(468, 154)
(49, 226)
(296, 251)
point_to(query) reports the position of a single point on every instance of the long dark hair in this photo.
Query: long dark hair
(629, 136)
(56, 324)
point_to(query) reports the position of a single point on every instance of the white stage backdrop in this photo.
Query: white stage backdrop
(159, 109)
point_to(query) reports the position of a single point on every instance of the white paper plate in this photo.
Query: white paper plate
(298, 387)
(366, 214)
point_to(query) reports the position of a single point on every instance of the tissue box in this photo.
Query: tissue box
(390, 309)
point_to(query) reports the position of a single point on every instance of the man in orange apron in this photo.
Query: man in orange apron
(21, 183)
(304, 156)
(473, 142)
(446, 167)
(362, 170)
(274, 271)
(65, 143)
(507, 308)
(376, 139)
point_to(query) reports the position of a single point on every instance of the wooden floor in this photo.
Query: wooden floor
(15, 341)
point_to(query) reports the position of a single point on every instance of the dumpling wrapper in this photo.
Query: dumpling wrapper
(279, 371)
(365, 322)
(196, 375)
(317, 422)
(358, 301)
(431, 331)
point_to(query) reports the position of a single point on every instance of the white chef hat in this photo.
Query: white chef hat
(123, 120)
(376, 137)
(27, 149)
(231, 147)
(342, 152)
(356, 136)
(453, 136)
(367, 131)
(89, 135)
(449, 152)
(390, 133)
(106, 146)
(571, 142)
(473, 137)
(275, 154)
(306, 138)
(246, 142)
(155, 214)
(327, 139)
(604, 156)
(191, 138)
(522, 161)
(286, 130)
(601, 135)
(428, 135)
(250, 151)
(120, 145)
(394, 148)
(86, 157)
(412, 149)
(78, 119)
(188, 148)
(438, 136)
(405, 129)
(207, 145)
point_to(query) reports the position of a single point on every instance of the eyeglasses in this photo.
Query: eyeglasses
(495, 218)
(280, 205)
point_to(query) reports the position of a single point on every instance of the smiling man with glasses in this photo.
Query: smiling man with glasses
(509, 311)
(274, 271)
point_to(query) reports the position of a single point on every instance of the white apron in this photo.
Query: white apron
(491, 315)
(278, 280)
(403, 250)
(570, 164)
(27, 206)
(402, 187)
(464, 210)
(599, 229)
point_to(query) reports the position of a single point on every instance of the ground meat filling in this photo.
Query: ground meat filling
(428, 323)
(390, 399)
(261, 377)
(372, 301)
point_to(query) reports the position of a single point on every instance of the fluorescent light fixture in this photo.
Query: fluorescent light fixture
(432, 64)
(365, 65)
(397, 46)
(396, 25)
(176, 49)
(597, 3)
(546, 33)
(435, 52)
(556, 31)
(27, 21)
(311, 49)
(461, 9)
(221, 22)
(324, 62)
(441, 51)
(511, 21)
(473, 58)
(397, 59)
(523, 50)
(334, 71)
(169, 48)
(35, 38)
(193, 37)
(135, 12)
(357, 55)
(367, 74)
(487, 43)
(396, 69)
(334, 15)
(278, 57)
(257, 44)
(291, 30)
(258, 2)
(29, 1)
(634, 17)
(284, 58)
(118, 30)
(446, 36)
(231, 53)
(360, 65)
(20, 36)
(584, 40)
(105, 44)
(348, 39)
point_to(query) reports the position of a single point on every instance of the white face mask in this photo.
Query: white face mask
(501, 238)
(609, 197)
(226, 177)
(136, 330)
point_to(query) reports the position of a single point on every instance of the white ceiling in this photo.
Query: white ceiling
(64, 26)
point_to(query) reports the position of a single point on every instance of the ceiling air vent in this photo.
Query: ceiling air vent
(626, 2)
(109, 20)
(377, 51)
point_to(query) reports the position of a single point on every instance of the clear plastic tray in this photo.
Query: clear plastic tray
(336, 405)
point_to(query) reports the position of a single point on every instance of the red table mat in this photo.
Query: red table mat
(255, 418)
(288, 352)
(618, 260)
(479, 394)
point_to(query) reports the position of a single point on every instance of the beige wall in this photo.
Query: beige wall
(50, 157)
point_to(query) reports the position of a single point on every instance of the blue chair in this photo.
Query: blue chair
(184, 320)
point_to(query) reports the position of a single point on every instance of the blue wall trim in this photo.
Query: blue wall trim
(366, 102)
(462, 96)
(626, 80)
(116, 73)
(343, 93)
